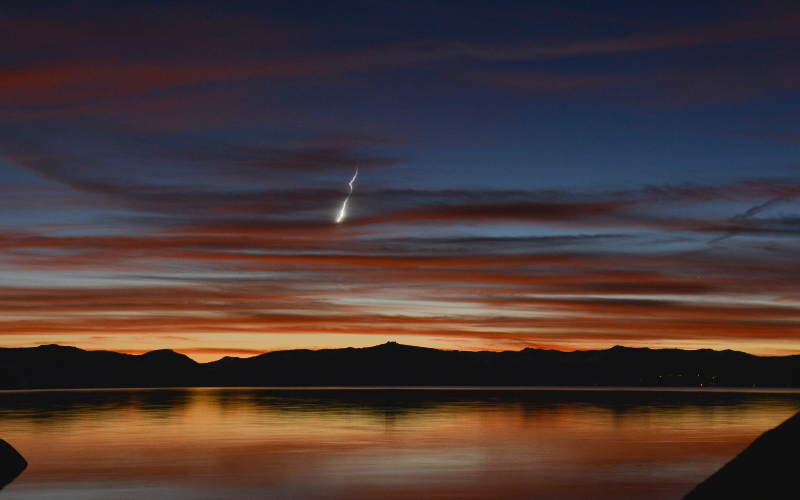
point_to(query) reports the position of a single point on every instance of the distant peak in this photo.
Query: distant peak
(54, 347)
(168, 354)
(618, 348)
(161, 351)
(390, 343)
(395, 346)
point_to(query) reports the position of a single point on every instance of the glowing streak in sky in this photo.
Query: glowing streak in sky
(341, 213)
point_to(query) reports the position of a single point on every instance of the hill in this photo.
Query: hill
(393, 364)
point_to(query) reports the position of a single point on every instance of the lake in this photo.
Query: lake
(379, 443)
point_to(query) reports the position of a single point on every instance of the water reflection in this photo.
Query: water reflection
(379, 443)
(66, 405)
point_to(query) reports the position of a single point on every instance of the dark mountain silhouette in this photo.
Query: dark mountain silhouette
(53, 366)
(11, 464)
(393, 364)
(766, 469)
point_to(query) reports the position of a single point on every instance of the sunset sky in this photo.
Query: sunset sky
(530, 174)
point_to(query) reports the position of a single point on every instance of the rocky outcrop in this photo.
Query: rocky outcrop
(11, 463)
(768, 469)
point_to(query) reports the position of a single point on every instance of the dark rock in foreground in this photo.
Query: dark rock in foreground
(11, 463)
(768, 469)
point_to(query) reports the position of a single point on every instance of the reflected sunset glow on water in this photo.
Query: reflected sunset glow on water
(379, 443)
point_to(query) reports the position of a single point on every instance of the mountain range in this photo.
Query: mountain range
(392, 364)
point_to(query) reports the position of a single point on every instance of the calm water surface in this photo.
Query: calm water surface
(388, 444)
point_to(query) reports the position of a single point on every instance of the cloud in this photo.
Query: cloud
(79, 66)
(237, 184)
(531, 211)
(710, 34)
(287, 280)
(542, 82)
(337, 155)
(221, 256)
(293, 188)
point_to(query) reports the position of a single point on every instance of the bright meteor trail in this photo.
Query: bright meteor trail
(341, 213)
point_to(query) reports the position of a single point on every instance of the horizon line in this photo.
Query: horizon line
(255, 353)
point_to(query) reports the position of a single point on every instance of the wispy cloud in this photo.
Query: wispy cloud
(293, 188)
(102, 71)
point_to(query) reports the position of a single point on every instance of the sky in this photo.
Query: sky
(560, 175)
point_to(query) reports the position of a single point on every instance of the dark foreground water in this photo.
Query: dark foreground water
(370, 444)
